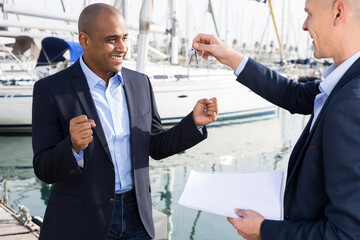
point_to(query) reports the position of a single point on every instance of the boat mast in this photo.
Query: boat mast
(174, 35)
(277, 33)
(187, 32)
(124, 7)
(210, 10)
(227, 21)
(86, 3)
(144, 29)
(283, 22)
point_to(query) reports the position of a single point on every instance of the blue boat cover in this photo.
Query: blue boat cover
(53, 49)
(303, 62)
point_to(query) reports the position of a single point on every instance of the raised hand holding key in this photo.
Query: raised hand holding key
(209, 45)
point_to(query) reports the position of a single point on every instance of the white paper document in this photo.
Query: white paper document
(222, 193)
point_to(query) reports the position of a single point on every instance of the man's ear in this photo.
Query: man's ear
(339, 12)
(84, 40)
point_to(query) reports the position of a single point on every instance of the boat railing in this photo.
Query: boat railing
(11, 56)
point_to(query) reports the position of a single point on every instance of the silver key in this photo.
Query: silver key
(193, 54)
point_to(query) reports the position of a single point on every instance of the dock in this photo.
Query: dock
(17, 225)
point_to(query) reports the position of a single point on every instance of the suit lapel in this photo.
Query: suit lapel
(131, 103)
(304, 141)
(83, 93)
(348, 76)
(299, 147)
(130, 95)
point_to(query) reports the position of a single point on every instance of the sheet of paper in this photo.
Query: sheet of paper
(222, 193)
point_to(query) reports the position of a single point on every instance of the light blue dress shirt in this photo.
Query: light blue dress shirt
(111, 106)
(331, 76)
(241, 66)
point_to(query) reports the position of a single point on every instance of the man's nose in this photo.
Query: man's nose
(121, 46)
(305, 25)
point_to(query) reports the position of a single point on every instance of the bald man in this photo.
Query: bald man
(322, 194)
(94, 126)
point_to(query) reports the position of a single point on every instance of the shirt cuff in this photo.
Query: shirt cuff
(79, 157)
(241, 66)
(200, 128)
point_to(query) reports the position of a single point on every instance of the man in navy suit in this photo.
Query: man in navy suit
(94, 126)
(322, 193)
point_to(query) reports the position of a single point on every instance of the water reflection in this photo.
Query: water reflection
(258, 144)
(17, 179)
(254, 146)
(15, 152)
(194, 226)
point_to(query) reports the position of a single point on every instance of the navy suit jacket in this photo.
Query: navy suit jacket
(322, 194)
(82, 199)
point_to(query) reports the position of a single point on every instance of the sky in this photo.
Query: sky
(246, 21)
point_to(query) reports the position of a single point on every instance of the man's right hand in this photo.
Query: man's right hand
(209, 45)
(81, 132)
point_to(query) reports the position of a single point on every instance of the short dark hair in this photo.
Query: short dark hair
(89, 15)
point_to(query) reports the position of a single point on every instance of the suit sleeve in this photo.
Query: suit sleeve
(286, 93)
(341, 161)
(182, 136)
(53, 158)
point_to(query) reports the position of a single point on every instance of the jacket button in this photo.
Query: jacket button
(111, 201)
(72, 172)
(287, 217)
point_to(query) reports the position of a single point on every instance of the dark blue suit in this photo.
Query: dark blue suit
(81, 201)
(322, 194)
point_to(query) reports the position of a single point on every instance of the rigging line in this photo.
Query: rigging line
(263, 35)
(237, 22)
(276, 30)
(213, 17)
(64, 10)
(18, 61)
(283, 21)
(198, 18)
(296, 39)
(258, 16)
(63, 6)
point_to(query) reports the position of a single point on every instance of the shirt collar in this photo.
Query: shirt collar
(333, 74)
(94, 79)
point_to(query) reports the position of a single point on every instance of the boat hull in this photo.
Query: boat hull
(175, 99)
(15, 105)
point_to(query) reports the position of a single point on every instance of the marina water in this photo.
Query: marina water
(255, 144)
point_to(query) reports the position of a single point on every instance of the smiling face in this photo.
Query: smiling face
(319, 23)
(105, 44)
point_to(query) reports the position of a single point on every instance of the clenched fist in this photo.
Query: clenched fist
(81, 132)
(205, 111)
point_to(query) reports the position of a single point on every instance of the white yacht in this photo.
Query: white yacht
(177, 88)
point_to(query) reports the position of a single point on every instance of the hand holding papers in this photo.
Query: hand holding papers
(221, 193)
